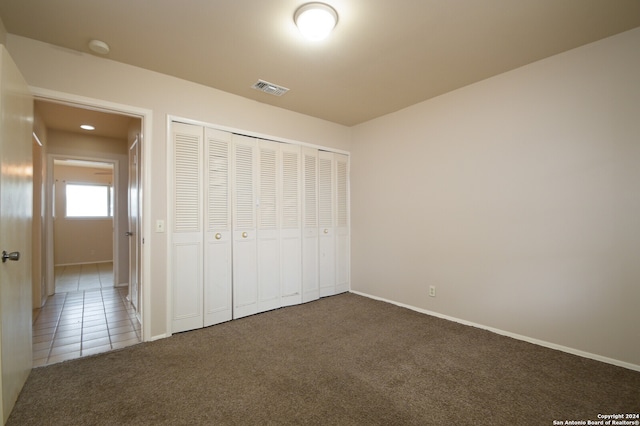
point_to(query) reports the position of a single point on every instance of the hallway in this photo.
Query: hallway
(86, 316)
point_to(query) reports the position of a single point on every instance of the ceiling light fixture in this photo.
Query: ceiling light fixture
(315, 20)
(99, 47)
(87, 127)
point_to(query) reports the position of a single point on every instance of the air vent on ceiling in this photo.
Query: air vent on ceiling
(272, 89)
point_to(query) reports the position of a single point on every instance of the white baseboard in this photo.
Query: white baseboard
(509, 334)
(158, 337)
(83, 263)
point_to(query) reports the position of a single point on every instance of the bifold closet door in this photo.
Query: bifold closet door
(326, 219)
(217, 223)
(201, 227)
(186, 255)
(310, 254)
(268, 232)
(342, 223)
(254, 225)
(333, 221)
(244, 235)
(290, 226)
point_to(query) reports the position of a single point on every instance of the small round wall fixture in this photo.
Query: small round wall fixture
(315, 20)
(99, 46)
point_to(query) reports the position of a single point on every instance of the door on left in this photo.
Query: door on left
(16, 126)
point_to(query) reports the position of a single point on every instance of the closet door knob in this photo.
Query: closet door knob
(245, 235)
(326, 231)
(218, 236)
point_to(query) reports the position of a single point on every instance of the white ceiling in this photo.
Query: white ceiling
(384, 55)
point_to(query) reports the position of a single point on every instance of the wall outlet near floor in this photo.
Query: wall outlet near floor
(432, 291)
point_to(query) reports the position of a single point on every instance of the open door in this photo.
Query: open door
(134, 225)
(16, 112)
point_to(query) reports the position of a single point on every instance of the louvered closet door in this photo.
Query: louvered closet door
(244, 196)
(290, 228)
(310, 283)
(342, 222)
(326, 222)
(268, 235)
(217, 222)
(186, 228)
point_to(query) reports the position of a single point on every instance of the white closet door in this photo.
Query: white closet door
(244, 196)
(310, 254)
(342, 222)
(186, 228)
(217, 248)
(268, 235)
(290, 228)
(326, 221)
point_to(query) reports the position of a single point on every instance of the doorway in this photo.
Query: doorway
(85, 195)
(87, 263)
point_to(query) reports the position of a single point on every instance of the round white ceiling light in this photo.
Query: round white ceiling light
(315, 20)
(99, 47)
(87, 127)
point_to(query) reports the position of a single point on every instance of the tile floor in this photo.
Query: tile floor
(86, 316)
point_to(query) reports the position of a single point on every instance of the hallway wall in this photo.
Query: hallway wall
(80, 240)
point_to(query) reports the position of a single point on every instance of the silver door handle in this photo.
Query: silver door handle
(11, 256)
(128, 234)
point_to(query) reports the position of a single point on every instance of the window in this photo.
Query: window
(89, 200)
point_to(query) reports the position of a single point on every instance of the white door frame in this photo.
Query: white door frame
(145, 137)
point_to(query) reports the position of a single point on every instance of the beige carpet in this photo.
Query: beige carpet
(341, 360)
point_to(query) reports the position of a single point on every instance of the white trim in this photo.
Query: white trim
(36, 138)
(84, 263)
(168, 229)
(158, 337)
(146, 115)
(538, 342)
(88, 103)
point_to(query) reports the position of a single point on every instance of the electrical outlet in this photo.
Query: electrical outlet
(159, 225)
(432, 290)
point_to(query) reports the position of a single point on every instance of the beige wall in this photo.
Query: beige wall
(48, 67)
(65, 144)
(78, 241)
(517, 197)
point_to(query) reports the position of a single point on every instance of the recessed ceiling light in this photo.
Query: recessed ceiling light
(99, 46)
(315, 20)
(87, 127)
